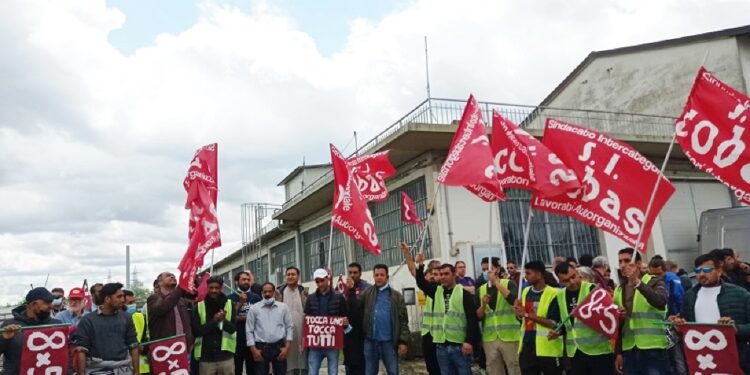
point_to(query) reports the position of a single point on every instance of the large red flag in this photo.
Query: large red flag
(711, 132)
(469, 161)
(711, 349)
(204, 235)
(370, 172)
(350, 212)
(45, 350)
(521, 161)
(599, 312)
(169, 356)
(609, 170)
(409, 210)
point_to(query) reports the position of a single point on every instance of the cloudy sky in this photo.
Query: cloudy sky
(102, 103)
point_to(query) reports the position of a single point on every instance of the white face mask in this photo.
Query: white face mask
(268, 301)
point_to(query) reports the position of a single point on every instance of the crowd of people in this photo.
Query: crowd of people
(257, 327)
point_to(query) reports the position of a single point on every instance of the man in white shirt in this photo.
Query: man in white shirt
(713, 301)
(269, 332)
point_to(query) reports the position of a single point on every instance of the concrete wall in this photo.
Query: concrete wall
(306, 177)
(655, 82)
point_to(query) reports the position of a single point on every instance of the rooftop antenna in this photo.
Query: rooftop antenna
(427, 75)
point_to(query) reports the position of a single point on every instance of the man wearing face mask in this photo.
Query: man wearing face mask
(139, 321)
(269, 332)
(58, 304)
(243, 298)
(76, 308)
(36, 311)
(215, 330)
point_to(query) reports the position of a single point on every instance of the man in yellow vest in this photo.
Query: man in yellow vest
(589, 351)
(642, 299)
(215, 331)
(537, 353)
(139, 321)
(500, 333)
(432, 275)
(454, 326)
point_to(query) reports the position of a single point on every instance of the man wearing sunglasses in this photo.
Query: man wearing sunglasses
(716, 301)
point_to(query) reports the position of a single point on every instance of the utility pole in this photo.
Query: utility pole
(127, 266)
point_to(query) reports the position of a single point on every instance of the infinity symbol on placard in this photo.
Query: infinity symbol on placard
(48, 341)
(176, 348)
(695, 340)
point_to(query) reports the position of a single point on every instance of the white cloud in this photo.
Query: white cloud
(94, 144)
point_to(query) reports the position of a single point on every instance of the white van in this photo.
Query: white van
(726, 228)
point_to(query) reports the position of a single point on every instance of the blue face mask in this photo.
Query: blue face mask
(131, 309)
(486, 275)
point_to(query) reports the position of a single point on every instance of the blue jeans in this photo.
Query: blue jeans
(377, 350)
(452, 361)
(315, 358)
(645, 362)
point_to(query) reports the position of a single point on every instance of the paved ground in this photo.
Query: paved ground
(410, 367)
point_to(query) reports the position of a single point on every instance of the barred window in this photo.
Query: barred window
(550, 235)
(392, 231)
(259, 268)
(283, 256)
(315, 243)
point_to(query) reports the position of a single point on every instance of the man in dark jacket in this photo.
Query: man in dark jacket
(385, 322)
(243, 297)
(354, 341)
(35, 312)
(167, 311)
(215, 328)
(715, 301)
(325, 302)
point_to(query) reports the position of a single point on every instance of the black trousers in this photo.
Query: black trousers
(354, 353)
(430, 358)
(243, 360)
(584, 364)
(270, 353)
(532, 365)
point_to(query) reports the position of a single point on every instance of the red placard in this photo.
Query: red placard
(169, 356)
(711, 132)
(616, 183)
(599, 312)
(45, 350)
(710, 349)
(323, 332)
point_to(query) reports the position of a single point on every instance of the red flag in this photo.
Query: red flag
(350, 212)
(341, 286)
(521, 161)
(203, 287)
(169, 356)
(408, 210)
(710, 349)
(45, 350)
(201, 186)
(608, 170)
(469, 161)
(88, 301)
(370, 172)
(599, 312)
(711, 132)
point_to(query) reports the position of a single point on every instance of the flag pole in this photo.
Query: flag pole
(503, 251)
(429, 215)
(330, 247)
(525, 252)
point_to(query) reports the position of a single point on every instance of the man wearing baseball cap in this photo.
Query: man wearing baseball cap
(35, 311)
(76, 307)
(325, 302)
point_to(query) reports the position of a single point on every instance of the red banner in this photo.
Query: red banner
(370, 172)
(710, 349)
(599, 312)
(169, 356)
(45, 350)
(608, 170)
(350, 213)
(323, 332)
(201, 186)
(711, 132)
(409, 210)
(521, 161)
(469, 161)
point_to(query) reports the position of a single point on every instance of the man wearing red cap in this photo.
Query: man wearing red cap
(76, 307)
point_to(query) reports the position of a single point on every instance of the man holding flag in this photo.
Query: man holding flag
(589, 351)
(35, 312)
(642, 300)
